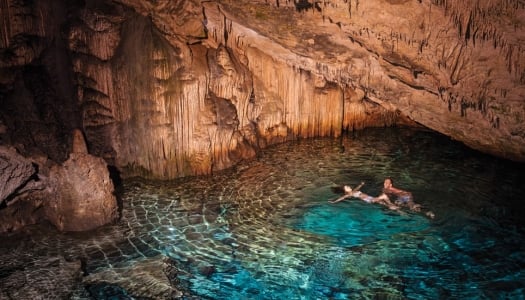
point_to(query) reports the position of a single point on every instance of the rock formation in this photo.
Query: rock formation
(18, 186)
(15, 172)
(165, 89)
(76, 195)
(51, 278)
(153, 271)
(81, 195)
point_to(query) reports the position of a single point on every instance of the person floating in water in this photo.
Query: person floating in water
(356, 193)
(402, 198)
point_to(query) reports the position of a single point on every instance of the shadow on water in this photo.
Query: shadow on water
(265, 230)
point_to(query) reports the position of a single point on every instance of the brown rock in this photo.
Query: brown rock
(23, 189)
(54, 278)
(150, 271)
(15, 172)
(83, 196)
(26, 210)
(187, 87)
(79, 143)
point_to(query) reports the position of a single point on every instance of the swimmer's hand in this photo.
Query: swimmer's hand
(393, 207)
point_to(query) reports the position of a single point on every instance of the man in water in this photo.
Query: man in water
(349, 192)
(402, 197)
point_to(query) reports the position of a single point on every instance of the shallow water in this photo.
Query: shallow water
(265, 230)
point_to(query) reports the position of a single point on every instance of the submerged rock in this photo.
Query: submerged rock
(48, 278)
(152, 272)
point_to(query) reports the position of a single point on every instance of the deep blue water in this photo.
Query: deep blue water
(265, 230)
(358, 223)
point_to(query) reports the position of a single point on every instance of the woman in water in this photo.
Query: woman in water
(349, 192)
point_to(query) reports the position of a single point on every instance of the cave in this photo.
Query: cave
(155, 141)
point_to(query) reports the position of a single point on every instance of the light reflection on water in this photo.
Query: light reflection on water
(265, 230)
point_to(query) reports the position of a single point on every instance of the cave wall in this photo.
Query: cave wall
(165, 89)
(159, 108)
(38, 107)
(455, 67)
(188, 104)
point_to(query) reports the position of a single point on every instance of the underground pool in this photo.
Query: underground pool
(266, 230)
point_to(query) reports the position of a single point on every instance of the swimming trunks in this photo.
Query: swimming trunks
(368, 199)
(404, 199)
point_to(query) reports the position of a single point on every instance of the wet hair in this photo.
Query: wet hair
(338, 189)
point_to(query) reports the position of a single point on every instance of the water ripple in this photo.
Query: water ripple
(265, 230)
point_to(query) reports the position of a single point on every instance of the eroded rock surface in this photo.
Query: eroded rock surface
(152, 271)
(19, 187)
(51, 278)
(165, 89)
(76, 195)
(456, 67)
(83, 197)
(15, 172)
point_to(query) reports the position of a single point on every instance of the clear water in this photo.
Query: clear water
(265, 230)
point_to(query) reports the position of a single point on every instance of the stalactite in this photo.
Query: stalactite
(226, 31)
(305, 109)
(355, 116)
(473, 20)
(271, 93)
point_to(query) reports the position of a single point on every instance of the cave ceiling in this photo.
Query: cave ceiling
(166, 89)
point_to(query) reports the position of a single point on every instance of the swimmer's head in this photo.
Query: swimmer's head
(347, 189)
(388, 183)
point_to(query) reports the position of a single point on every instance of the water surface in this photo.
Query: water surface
(265, 230)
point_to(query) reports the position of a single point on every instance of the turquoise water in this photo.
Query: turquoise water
(353, 224)
(265, 230)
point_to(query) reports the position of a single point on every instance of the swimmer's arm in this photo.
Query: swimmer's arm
(359, 186)
(383, 198)
(341, 198)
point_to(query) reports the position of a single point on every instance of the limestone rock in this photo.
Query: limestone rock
(23, 210)
(152, 271)
(166, 89)
(36, 81)
(455, 67)
(83, 196)
(15, 172)
(79, 143)
(47, 278)
(23, 190)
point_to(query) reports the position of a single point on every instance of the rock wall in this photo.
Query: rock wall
(192, 103)
(38, 107)
(455, 67)
(165, 89)
(76, 195)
